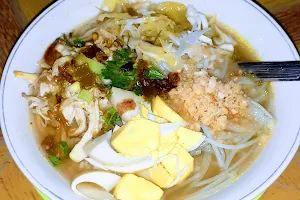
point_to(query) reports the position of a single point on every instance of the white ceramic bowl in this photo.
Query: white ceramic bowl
(247, 18)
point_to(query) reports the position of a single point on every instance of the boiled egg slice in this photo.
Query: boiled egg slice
(126, 103)
(132, 187)
(161, 109)
(147, 113)
(138, 137)
(103, 156)
(95, 185)
(169, 128)
(188, 139)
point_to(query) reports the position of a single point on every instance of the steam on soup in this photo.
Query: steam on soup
(146, 101)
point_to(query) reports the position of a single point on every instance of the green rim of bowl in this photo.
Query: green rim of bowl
(47, 198)
(42, 195)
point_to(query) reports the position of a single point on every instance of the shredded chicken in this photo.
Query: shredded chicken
(94, 126)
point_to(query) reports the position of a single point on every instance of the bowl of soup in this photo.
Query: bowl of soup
(137, 100)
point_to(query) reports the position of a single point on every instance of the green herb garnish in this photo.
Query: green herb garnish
(65, 148)
(67, 41)
(112, 117)
(126, 80)
(54, 160)
(78, 43)
(154, 73)
(122, 56)
(138, 91)
(75, 43)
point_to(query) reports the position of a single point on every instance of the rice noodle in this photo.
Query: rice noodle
(233, 167)
(217, 187)
(228, 136)
(215, 183)
(232, 147)
(180, 173)
(225, 68)
(207, 149)
(266, 113)
(245, 81)
(230, 158)
(254, 93)
(219, 157)
(222, 152)
(206, 161)
(260, 98)
(188, 40)
(232, 153)
(236, 128)
(204, 167)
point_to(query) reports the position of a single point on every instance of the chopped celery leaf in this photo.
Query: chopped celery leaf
(112, 117)
(78, 43)
(65, 148)
(54, 160)
(154, 73)
(126, 80)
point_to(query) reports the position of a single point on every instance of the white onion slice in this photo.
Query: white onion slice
(232, 147)
(105, 180)
(102, 155)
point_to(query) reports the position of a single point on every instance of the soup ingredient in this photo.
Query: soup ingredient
(112, 117)
(74, 88)
(26, 76)
(169, 128)
(154, 52)
(176, 12)
(86, 96)
(131, 187)
(80, 73)
(153, 73)
(189, 139)
(94, 126)
(59, 63)
(147, 113)
(94, 66)
(219, 101)
(196, 19)
(187, 41)
(125, 102)
(105, 180)
(73, 112)
(119, 78)
(65, 148)
(136, 138)
(153, 87)
(75, 43)
(78, 43)
(110, 5)
(261, 114)
(51, 54)
(175, 133)
(103, 156)
(66, 40)
(175, 167)
(161, 109)
(54, 160)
